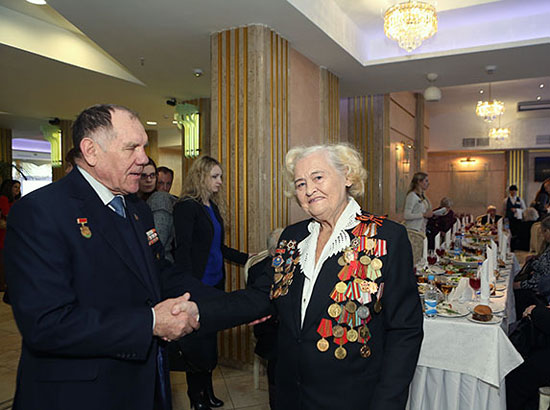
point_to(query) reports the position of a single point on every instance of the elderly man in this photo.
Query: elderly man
(164, 179)
(83, 263)
(490, 218)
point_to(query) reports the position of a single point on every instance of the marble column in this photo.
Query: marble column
(367, 128)
(249, 135)
(516, 169)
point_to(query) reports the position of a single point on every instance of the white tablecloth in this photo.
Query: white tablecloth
(462, 365)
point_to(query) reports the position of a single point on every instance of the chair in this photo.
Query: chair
(249, 263)
(544, 398)
(416, 239)
(536, 242)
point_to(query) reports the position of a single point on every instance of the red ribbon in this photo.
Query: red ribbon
(378, 220)
(325, 328)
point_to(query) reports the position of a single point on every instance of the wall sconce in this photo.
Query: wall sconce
(467, 161)
(408, 145)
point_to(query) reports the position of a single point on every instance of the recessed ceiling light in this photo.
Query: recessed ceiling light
(538, 97)
(541, 85)
(38, 2)
(481, 91)
(151, 123)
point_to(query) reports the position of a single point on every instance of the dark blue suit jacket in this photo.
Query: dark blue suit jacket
(83, 305)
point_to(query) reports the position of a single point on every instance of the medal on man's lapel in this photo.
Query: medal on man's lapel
(84, 229)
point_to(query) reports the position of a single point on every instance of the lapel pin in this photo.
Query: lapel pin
(84, 229)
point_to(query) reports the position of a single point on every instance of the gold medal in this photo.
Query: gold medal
(364, 286)
(284, 291)
(338, 331)
(365, 351)
(322, 345)
(365, 260)
(85, 232)
(277, 292)
(378, 306)
(349, 255)
(340, 287)
(351, 307)
(352, 335)
(376, 264)
(334, 310)
(277, 278)
(341, 261)
(340, 353)
(364, 332)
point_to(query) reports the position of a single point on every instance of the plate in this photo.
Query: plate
(461, 309)
(467, 264)
(501, 288)
(495, 308)
(494, 321)
(436, 270)
(497, 295)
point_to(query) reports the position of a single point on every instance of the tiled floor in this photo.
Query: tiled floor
(235, 387)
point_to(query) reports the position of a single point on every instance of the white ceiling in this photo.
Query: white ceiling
(160, 42)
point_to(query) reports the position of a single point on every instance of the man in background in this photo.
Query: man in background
(83, 269)
(164, 179)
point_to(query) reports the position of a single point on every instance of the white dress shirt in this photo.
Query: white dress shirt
(338, 241)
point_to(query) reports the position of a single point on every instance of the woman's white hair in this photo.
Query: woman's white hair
(343, 157)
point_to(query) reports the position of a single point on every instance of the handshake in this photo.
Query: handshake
(175, 318)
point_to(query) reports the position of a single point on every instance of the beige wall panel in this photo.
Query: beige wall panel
(402, 121)
(406, 100)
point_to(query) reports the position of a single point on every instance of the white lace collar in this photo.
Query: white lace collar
(338, 241)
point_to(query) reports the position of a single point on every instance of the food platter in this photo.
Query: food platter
(495, 320)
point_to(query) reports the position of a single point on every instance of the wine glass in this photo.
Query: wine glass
(475, 284)
(440, 252)
(432, 257)
(446, 288)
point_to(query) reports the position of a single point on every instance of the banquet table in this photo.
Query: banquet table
(462, 365)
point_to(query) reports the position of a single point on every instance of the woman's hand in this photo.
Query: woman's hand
(428, 213)
(528, 310)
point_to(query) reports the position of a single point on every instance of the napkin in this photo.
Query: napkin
(504, 247)
(499, 227)
(448, 239)
(462, 293)
(454, 228)
(494, 264)
(437, 241)
(458, 224)
(485, 289)
(491, 263)
(425, 249)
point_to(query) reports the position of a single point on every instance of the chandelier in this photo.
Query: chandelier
(491, 109)
(410, 23)
(499, 134)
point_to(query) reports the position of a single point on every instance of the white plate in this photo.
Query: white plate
(494, 321)
(461, 309)
(501, 288)
(495, 308)
(470, 264)
(497, 295)
(436, 270)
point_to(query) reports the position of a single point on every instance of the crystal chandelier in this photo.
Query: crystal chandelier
(499, 134)
(410, 23)
(491, 109)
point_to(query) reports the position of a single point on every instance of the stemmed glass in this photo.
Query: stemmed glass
(446, 288)
(475, 284)
(432, 257)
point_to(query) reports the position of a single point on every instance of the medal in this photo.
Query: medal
(340, 353)
(136, 217)
(352, 335)
(349, 255)
(377, 306)
(84, 229)
(277, 278)
(364, 332)
(355, 242)
(363, 312)
(284, 291)
(334, 310)
(322, 345)
(340, 287)
(277, 261)
(338, 331)
(365, 260)
(341, 261)
(376, 264)
(365, 351)
(351, 307)
(370, 244)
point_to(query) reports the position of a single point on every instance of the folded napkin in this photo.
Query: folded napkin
(503, 246)
(462, 293)
(485, 289)
(448, 239)
(437, 241)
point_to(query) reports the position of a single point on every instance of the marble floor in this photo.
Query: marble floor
(235, 387)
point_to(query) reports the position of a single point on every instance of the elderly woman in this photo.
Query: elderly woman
(417, 206)
(442, 220)
(342, 284)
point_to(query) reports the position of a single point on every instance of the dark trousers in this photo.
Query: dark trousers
(197, 384)
(523, 382)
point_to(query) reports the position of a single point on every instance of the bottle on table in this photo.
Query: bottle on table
(430, 298)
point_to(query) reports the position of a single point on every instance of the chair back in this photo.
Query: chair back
(416, 239)
(253, 260)
(536, 243)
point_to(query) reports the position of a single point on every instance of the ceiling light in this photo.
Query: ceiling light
(410, 23)
(541, 85)
(538, 97)
(432, 93)
(197, 72)
(499, 134)
(491, 109)
(481, 91)
(151, 123)
(37, 2)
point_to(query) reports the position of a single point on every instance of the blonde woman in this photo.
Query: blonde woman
(417, 206)
(200, 251)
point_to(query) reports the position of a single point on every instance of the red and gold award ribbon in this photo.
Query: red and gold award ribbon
(325, 330)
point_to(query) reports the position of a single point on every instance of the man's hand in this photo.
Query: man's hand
(171, 326)
(258, 321)
(528, 310)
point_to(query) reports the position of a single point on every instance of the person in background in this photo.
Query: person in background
(442, 220)
(417, 206)
(542, 199)
(514, 207)
(200, 250)
(70, 160)
(523, 238)
(523, 382)
(490, 218)
(165, 178)
(266, 333)
(148, 180)
(10, 191)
